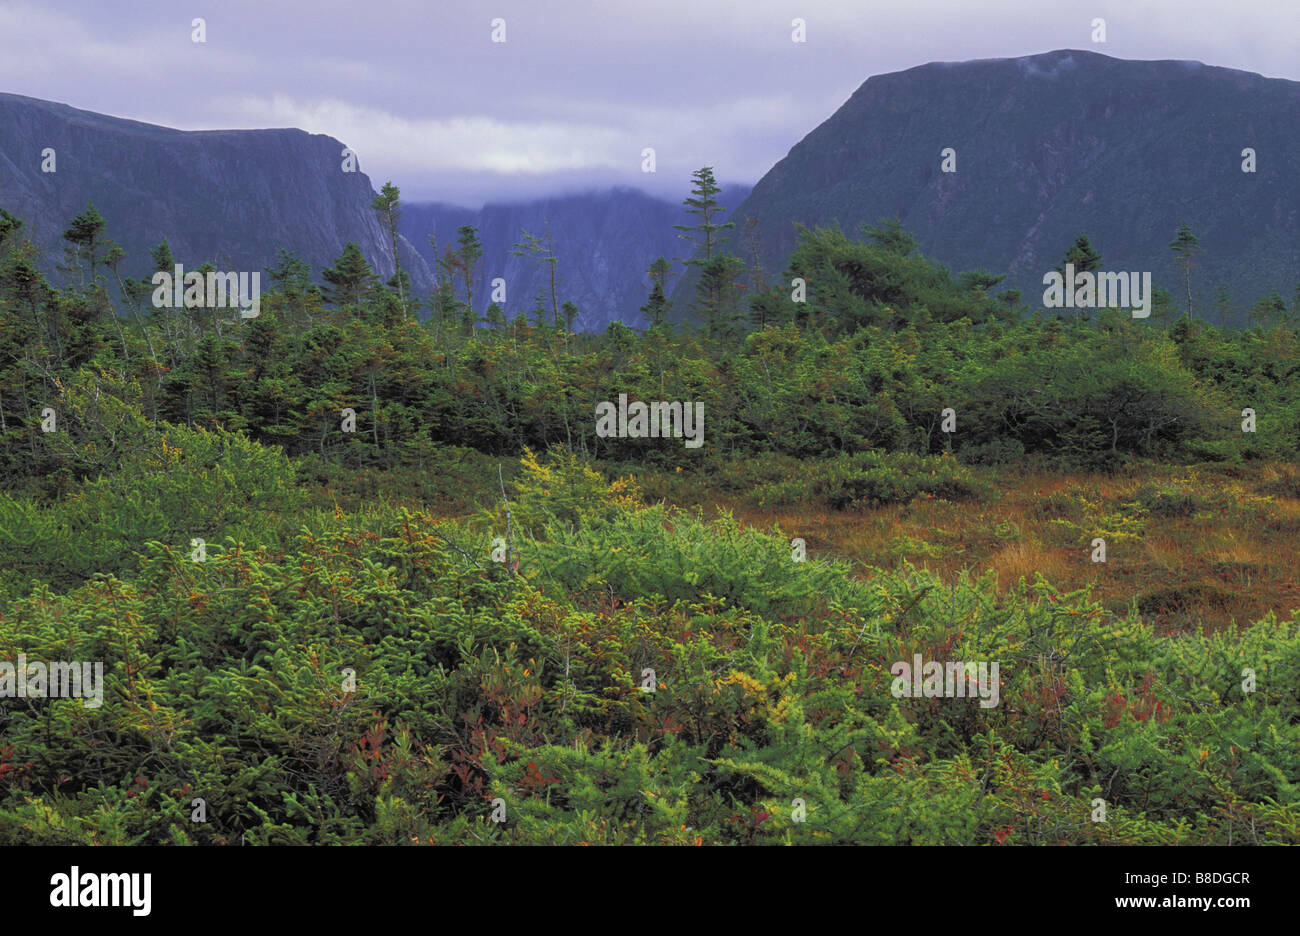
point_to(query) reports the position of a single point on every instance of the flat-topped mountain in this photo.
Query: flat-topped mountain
(1048, 146)
(230, 196)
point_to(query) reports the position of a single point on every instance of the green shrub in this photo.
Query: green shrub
(1164, 501)
(645, 676)
(868, 479)
(190, 484)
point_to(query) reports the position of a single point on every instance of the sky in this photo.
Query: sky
(579, 88)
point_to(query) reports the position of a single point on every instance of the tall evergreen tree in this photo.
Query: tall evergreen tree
(570, 311)
(350, 279)
(388, 205)
(1085, 260)
(719, 294)
(544, 253)
(658, 306)
(706, 238)
(1185, 246)
(661, 271)
(443, 301)
(1083, 256)
(468, 254)
(163, 261)
(84, 234)
(291, 275)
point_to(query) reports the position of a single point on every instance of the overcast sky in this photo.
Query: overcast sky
(579, 87)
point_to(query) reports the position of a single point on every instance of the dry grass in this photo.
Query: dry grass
(1221, 564)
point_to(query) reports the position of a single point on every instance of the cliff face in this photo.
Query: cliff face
(604, 242)
(1048, 146)
(230, 196)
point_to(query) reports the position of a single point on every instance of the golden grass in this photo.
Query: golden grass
(1027, 560)
(1220, 567)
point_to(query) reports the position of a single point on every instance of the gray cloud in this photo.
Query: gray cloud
(580, 87)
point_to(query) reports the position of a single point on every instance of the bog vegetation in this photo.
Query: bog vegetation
(349, 662)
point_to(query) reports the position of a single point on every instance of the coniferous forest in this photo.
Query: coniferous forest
(365, 568)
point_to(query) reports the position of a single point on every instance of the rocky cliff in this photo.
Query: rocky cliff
(230, 196)
(1048, 146)
(604, 241)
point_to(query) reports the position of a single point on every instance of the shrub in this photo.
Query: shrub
(1164, 501)
(190, 483)
(868, 479)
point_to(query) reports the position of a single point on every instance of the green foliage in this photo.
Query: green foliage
(351, 279)
(635, 672)
(167, 483)
(884, 343)
(772, 685)
(1163, 501)
(871, 478)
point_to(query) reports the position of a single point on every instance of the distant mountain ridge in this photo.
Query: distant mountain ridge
(604, 242)
(1051, 145)
(1046, 147)
(233, 197)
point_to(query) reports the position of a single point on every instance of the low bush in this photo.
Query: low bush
(645, 676)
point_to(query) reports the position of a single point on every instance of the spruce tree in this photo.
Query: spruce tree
(706, 237)
(703, 203)
(661, 270)
(658, 306)
(1185, 246)
(443, 302)
(720, 295)
(163, 261)
(350, 279)
(468, 255)
(1083, 256)
(1084, 259)
(388, 205)
(544, 254)
(84, 235)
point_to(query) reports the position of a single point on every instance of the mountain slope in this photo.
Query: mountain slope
(1051, 145)
(604, 241)
(230, 196)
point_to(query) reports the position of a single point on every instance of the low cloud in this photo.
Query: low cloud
(579, 88)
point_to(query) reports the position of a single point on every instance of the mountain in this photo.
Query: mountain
(1048, 146)
(604, 241)
(230, 196)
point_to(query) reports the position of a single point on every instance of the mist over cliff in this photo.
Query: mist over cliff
(604, 242)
